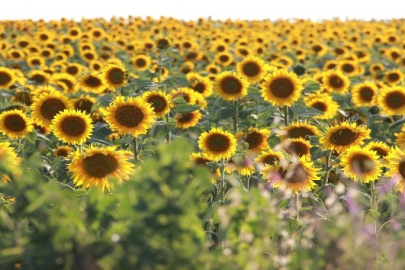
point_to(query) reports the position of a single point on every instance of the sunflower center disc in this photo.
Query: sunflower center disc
(297, 148)
(99, 165)
(299, 174)
(199, 87)
(299, 132)
(93, 81)
(319, 106)
(336, 81)
(62, 153)
(68, 83)
(218, 143)
(52, 107)
(73, 126)
(201, 161)
(395, 100)
(380, 152)
(344, 137)
(186, 117)
(140, 62)
(15, 123)
(72, 70)
(282, 87)
(366, 94)
(362, 164)
(116, 76)
(38, 78)
(158, 103)
(254, 139)
(224, 58)
(393, 77)
(84, 105)
(4, 78)
(129, 116)
(270, 159)
(251, 69)
(231, 85)
(348, 68)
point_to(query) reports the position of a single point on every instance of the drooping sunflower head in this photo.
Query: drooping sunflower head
(217, 144)
(335, 81)
(344, 135)
(47, 105)
(159, 101)
(92, 83)
(364, 94)
(324, 103)
(63, 151)
(393, 77)
(187, 120)
(293, 176)
(361, 164)
(7, 77)
(299, 130)
(72, 126)
(231, 86)
(252, 68)
(9, 162)
(114, 76)
(255, 138)
(281, 88)
(15, 124)
(391, 100)
(297, 147)
(100, 167)
(130, 116)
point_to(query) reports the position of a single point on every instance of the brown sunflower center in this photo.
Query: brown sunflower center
(72, 70)
(231, 85)
(335, 81)
(224, 58)
(366, 93)
(92, 81)
(299, 132)
(62, 153)
(344, 137)
(186, 117)
(380, 152)
(140, 62)
(52, 107)
(270, 159)
(199, 87)
(201, 161)
(395, 100)
(163, 43)
(5, 78)
(218, 143)
(100, 165)
(129, 116)
(15, 123)
(84, 105)
(348, 68)
(251, 69)
(254, 139)
(282, 87)
(38, 78)
(362, 163)
(73, 126)
(316, 48)
(319, 106)
(116, 76)
(393, 77)
(68, 83)
(297, 175)
(401, 168)
(297, 148)
(159, 103)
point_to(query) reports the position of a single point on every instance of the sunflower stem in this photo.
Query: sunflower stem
(222, 182)
(235, 119)
(169, 134)
(373, 205)
(297, 204)
(285, 115)
(160, 66)
(135, 145)
(326, 168)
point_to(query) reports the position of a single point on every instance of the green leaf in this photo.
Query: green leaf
(185, 108)
(397, 124)
(160, 129)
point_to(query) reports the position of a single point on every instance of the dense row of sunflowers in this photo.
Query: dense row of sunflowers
(286, 103)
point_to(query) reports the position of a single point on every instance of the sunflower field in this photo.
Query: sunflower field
(147, 144)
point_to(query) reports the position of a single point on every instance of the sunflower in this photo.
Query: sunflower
(131, 116)
(65, 81)
(393, 77)
(9, 162)
(187, 120)
(199, 159)
(231, 86)
(376, 68)
(324, 103)
(114, 76)
(364, 94)
(391, 100)
(269, 157)
(242, 164)
(396, 166)
(186, 93)
(203, 86)
(47, 105)
(344, 135)
(400, 138)
(63, 151)
(255, 138)
(72, 126)
(7, 78)
(217, 144)
(335, 81)
(39, 77)
(299, 130)
(99, 166)
(299, 147)
(348, 67)
(281, 88)
(381, 148)
(252, 68)
(15, 124)
(159, 101)
(213, 69)
(224, 58)
(296, 176)
(74, 69)
(361, 164)
(92, 83)
(35, 60)
(163, 43)
(141, 62)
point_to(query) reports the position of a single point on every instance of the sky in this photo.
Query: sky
(191, 9)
